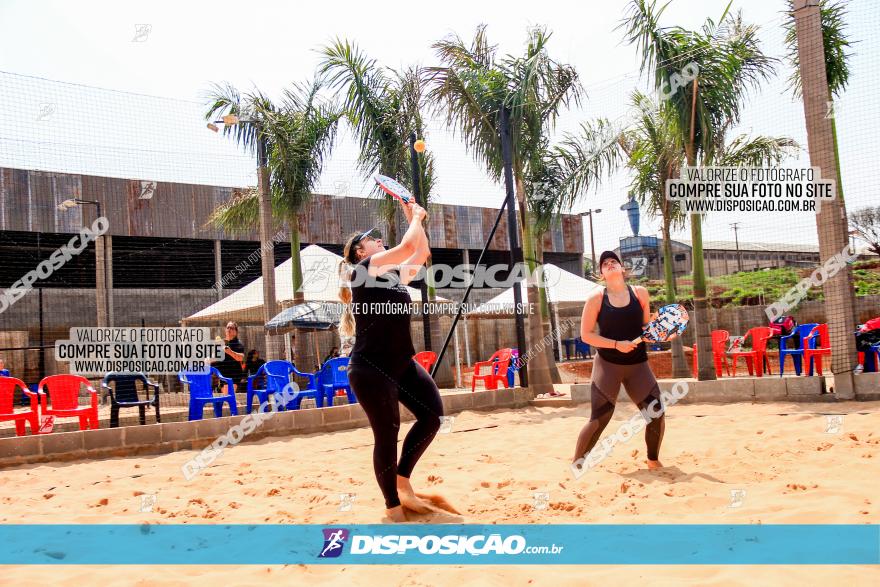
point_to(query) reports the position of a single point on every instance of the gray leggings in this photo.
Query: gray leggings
(642, 389)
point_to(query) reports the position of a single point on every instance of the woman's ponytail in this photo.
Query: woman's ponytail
(346, 322)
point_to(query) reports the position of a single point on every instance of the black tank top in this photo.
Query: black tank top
(382, 319)
(622, 324)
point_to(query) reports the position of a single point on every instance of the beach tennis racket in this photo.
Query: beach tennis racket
(393, 188)
(671, 319)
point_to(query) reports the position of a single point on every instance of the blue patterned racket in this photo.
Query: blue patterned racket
(671, 319)
(393, 188)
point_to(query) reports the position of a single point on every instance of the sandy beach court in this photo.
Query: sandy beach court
(738, 463)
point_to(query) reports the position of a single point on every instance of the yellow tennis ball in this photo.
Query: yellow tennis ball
(419, 146)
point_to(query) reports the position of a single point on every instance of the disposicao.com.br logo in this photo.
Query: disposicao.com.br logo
(450, 544)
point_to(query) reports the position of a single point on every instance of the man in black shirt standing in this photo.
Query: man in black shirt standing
(230, 366)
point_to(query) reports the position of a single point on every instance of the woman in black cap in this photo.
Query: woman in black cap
(382, 371)
(620, 311)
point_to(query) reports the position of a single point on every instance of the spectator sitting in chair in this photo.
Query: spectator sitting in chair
(334, 353)
(231, 365)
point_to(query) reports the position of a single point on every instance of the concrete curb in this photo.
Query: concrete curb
(739, 389)
(173, 436)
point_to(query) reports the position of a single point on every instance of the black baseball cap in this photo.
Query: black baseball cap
(608, 255)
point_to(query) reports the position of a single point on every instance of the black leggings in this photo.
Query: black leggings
(379, 392)
(642, 388)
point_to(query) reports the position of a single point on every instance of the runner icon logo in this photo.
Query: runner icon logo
(334, 541)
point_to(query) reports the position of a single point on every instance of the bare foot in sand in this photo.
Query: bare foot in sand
(654, 465)
(396, 514)
(408, 497)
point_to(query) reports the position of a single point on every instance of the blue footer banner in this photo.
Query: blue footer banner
(429, 544)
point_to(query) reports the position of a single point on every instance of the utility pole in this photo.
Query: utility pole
(739, 259)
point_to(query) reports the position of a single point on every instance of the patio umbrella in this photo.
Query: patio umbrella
(309, 317)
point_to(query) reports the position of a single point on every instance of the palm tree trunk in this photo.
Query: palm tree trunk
(392, 230)
(679, 364)
(296, 260)
(706, 371)
(540, 380)
(549, 335)
(837, 157)
(701, 305)
(301, 348)
(445, 375)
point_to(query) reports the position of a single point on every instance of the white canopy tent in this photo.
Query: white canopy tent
(562, 287)
(320, 284)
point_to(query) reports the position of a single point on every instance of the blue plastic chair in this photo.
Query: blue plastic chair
(797, 353)
(201, 392)
(278, 377)
(332, 377)
(582, 348)
(512, 369)
(872, 359)
(312, 391)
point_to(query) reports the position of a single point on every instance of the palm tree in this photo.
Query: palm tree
(384, 107)
(300, 133)
(560, 175)
(653, 146)
(655, 155)
(545, 193)
(729, 63)
(472, 86)
(832, 15)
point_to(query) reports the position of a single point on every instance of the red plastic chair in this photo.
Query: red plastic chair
(7, 406)
(493, 371)
(719, 352)
(64, 395)
(426, 359)
(756, 357)
(823, 348)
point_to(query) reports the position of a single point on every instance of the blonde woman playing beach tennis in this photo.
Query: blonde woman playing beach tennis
(620, 311)
(382, 371)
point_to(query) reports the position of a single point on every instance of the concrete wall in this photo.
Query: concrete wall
(175, 436)
(487, 336)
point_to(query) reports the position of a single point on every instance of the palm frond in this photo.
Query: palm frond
(756, 151)
(832, 15)
(239, 215)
